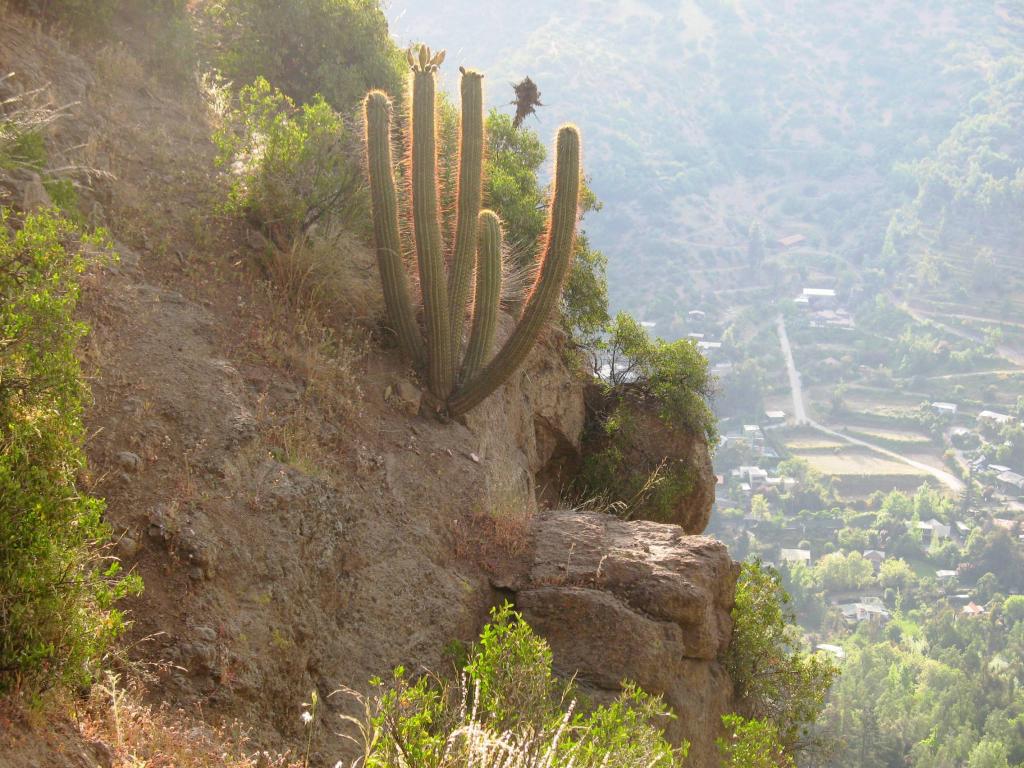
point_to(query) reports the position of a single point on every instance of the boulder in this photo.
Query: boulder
(636, 601)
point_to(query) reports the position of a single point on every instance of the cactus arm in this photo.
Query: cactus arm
(547, 287)
(397, 299)
(427, 230)
(468, 203)
(488, 295)
(471, 152)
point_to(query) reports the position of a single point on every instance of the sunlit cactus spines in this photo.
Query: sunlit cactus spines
(470, 191)
(397, 298)
(457, 387)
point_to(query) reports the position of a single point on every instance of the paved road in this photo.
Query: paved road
(794, 375)
(948, 479)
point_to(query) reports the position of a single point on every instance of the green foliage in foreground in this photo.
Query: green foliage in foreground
(56, 589)
(510, 711)
(751, 744)
(774, 680)
(291, 166)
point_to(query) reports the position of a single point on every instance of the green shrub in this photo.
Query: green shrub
(292, 167)
(339, 49)
(774, 681)
(509, 710)
(751, 744)
(57, 590)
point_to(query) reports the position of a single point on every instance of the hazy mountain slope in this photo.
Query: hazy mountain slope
(702, 116)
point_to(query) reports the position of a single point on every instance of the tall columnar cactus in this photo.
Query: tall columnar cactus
(446, 294)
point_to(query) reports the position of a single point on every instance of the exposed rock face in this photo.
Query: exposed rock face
(635, 601)
(647, 443)
(531, 427)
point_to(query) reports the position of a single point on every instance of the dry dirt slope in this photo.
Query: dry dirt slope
(295, 526)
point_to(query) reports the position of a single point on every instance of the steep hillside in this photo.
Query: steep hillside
(298, 524)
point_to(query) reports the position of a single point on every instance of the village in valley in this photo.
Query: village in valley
(834, 456)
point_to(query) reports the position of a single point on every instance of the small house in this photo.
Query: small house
(775, 417)
(696, 315)
(795, 556)
(875, 556)
(945, 577)
(994, 419)
(944, 409)
(790, 241)
(819, 298)
(936, 531)
(1010, 482)
(972, 609)
(872, 612)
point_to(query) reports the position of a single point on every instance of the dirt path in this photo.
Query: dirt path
(800, 413)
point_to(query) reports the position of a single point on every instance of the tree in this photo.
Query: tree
(675, 373)
(751, 744)
(896, 574)
(838, 571)
(989, 753)
(774, 680)
(339, 49)
(1014, 608)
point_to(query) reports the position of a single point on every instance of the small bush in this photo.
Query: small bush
(510, 711)
(57, 591)
(339, 49)
(292, 167)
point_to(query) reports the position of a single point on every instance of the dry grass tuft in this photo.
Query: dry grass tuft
(140, 736)
(498, 529)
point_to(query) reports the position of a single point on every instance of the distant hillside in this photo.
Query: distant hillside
(703, 116)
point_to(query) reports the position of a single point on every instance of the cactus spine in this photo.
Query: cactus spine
(445, 296)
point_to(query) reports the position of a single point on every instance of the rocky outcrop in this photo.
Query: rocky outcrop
(636, 601)
(645, 444)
